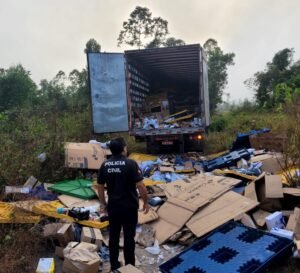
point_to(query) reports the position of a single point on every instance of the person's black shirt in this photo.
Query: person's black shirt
(120, 174)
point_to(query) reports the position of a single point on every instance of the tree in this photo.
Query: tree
(218, 63)
(16, 87)
(159, 30)
(136, 28)
(277, 80)
(92, 46)
(142, 30)
(171, 41)
(79, 89)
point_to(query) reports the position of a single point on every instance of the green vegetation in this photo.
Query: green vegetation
(279, 82)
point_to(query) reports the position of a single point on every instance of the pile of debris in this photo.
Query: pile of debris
(223, 209)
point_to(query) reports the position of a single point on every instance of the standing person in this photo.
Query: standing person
(122, 177)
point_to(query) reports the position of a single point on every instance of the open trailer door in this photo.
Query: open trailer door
(107, 81)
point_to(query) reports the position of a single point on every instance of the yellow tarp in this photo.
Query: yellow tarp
(9, 213)
(50, 208)
(150, 182)
(235, 174)
(142, 157)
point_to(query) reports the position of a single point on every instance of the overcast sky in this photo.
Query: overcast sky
(46, 36)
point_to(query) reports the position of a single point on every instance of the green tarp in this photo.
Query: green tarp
(80, 188)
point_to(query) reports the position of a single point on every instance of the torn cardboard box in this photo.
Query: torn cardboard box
(247, 220)
(180, 207)
(250, 191)
(84, 155)
(50, 230)
(31, 182)
(65, 234)
(292, 191)
(91, 235)
(273, 186)
(147, 218)
(223, 209)
(272, 163)
(260, 217)
(264, 190)
(81, 258)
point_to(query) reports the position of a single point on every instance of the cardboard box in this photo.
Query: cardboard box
(275, 220)
(272, 163)
(250, 191)
(65, 234)
(264, 189)
(247, 220)
(81, 258)
(147, 218)
(260, 217)
(184, 199)
(297, 243)
(31, 182)
(223, 209)
(84, 155)
(91, 235)
(269, 141)
(292, 191)
(273, 186)
(50, 230)
(291, 224)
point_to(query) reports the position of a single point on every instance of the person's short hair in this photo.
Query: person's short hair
(117, 145)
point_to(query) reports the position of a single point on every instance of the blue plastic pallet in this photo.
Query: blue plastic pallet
(232, 248)
(226, 160)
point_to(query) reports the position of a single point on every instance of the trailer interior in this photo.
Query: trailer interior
(162, 82)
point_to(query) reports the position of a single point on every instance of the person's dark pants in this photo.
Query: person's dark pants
(128, 220)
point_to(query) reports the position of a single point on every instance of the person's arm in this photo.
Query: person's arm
(143, 193)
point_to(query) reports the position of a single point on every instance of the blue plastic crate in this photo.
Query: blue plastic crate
(232, 248)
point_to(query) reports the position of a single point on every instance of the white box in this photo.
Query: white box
(283, 233)
(275, 220)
